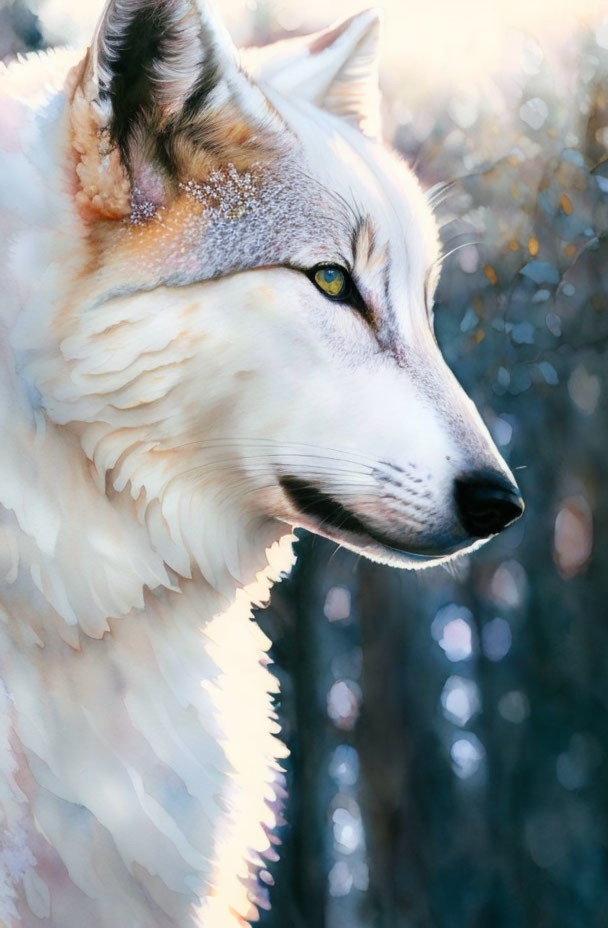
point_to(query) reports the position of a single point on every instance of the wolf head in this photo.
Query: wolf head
(252, 328)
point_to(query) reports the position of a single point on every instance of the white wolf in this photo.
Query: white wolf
(216, 324)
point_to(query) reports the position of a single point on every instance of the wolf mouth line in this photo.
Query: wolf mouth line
(329, 513)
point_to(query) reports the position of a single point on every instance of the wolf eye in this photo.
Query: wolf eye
(337, 285)
(331, 280)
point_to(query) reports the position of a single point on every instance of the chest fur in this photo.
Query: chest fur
(136, 775)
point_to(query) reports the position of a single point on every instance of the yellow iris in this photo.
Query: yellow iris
(331, 280)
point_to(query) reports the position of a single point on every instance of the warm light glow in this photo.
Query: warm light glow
(437, 41)
(243, 699)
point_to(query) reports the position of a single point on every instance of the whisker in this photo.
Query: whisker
(278, 443)
(456, 248)
(439, 193)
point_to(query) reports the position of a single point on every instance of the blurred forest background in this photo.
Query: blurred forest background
(449, 729)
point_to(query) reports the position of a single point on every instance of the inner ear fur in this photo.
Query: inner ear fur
(155, 62)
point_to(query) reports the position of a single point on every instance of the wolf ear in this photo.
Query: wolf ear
(161, 85)
(336, 69)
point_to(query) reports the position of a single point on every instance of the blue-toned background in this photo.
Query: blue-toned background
(449, 730)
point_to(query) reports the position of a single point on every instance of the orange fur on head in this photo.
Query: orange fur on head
(212, 140)
(218, 137)
(104, 188)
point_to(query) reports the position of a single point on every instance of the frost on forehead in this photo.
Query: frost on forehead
(235, 220)
(226, 195)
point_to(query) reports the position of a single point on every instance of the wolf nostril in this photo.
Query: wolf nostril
(487, 503)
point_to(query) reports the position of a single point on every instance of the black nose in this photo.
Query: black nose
(487, 503)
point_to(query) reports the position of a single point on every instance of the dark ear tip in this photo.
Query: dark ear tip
(153, 58)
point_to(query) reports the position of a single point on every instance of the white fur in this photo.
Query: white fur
(148, 415)
(341, 77)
